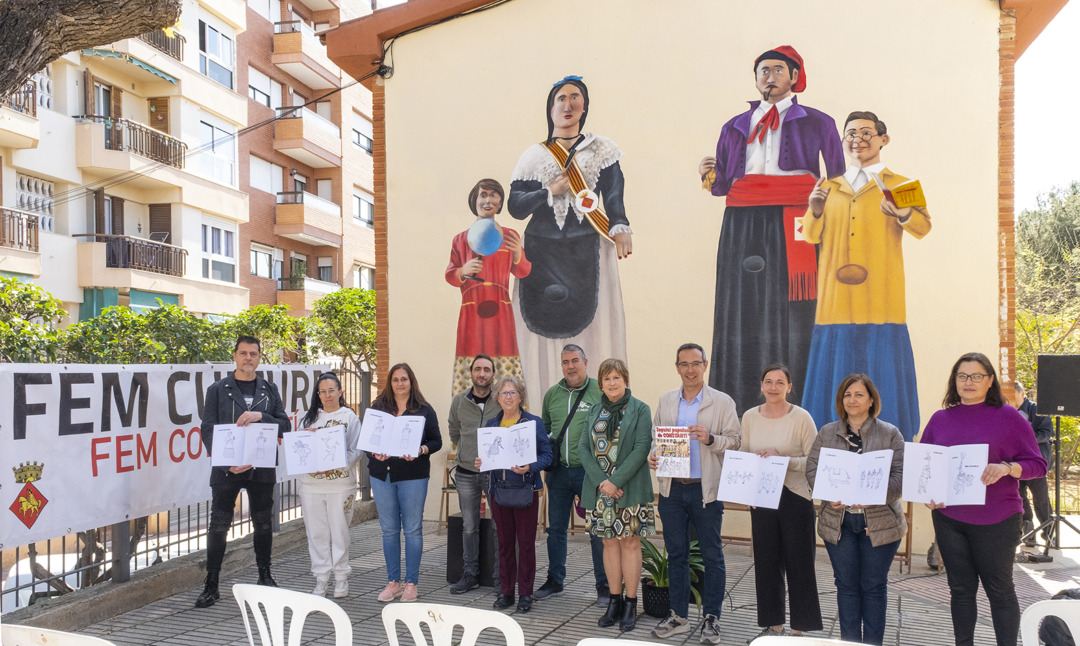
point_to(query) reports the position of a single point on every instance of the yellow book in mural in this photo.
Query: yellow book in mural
(903, 195)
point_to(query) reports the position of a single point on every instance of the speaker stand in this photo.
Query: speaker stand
(1056, 520)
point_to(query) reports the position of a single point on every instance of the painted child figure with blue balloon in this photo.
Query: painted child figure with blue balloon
(482, 259)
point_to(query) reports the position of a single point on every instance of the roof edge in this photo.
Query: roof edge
(1032, 17)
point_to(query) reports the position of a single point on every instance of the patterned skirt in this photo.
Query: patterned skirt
(609, 520)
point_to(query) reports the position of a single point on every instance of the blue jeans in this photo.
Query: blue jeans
(562, 485)
(681, 507)
(861, 572)
(401, 507)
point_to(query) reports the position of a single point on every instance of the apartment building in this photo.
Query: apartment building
(308, 174)
(120, 182)
(128, 174)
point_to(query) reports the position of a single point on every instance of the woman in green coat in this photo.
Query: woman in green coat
(617, 492)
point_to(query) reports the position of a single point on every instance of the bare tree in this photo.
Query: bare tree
(34, 33)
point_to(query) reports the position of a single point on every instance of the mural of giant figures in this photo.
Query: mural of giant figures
(767, 163)
(482, 259)
(861, 324)
(572, 186)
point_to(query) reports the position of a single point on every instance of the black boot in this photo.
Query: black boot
(629, 615)
(210, 592)
(265, 578)
(613, 613)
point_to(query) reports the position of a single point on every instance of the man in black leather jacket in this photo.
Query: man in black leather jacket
(240, 398)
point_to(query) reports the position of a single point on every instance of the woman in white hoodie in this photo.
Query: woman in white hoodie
(327, 496)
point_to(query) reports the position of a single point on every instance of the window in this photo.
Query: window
(263, 89)
(363, 277)
(363, 209)
(268, 9)
(215, 54)
(362, 132)
(266, 262)
(299, 182)
(218, 152)
(266, 176)
(326, 269)
(218, 250)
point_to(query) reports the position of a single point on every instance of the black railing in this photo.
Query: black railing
(160, 41)
(128, 252)
(18, 230)
(135, 138)
(22, 100)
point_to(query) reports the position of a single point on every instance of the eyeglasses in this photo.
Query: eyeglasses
(508, 393)
(683, 365)
(865, 136)
(975, 378)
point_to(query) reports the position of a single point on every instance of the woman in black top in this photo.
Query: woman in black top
(399, 485)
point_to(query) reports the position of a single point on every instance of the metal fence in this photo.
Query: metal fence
(68, 563)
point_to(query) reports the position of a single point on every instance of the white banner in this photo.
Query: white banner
(84, 446)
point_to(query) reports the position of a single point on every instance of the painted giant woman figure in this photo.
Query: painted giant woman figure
(767, 162)
(572, 186)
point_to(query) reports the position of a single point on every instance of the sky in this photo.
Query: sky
(1047, 81)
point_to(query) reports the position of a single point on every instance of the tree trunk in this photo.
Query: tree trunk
(36, 32)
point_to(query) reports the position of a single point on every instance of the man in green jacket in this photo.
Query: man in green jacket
(469, 411)
(566, 407)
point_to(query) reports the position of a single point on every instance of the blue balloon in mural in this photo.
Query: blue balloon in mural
(485, 237)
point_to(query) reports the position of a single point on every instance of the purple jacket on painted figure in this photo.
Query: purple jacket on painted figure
(805, 134)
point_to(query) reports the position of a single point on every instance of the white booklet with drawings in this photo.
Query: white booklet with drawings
(396, 436)
(751, 480)
(945, 474)
(853, 478)
(502, 448)
(237, 446)
(309, 452)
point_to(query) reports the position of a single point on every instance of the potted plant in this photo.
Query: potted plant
(656, 602)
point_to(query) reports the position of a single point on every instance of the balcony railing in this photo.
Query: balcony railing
(300, 282)
(159, 40)
(312, 200)
(128, 252)
(293, 26)
(135, 138)
(23, 100)
(18, 230)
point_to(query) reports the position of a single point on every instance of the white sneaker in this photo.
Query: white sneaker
(341, 588)
(672, 625)
(320, 586)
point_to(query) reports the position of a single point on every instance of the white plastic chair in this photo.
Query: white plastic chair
(441, 620)
(796, 640)
(12, 635)
(1068, 610)
(610, 641)
(268, 607)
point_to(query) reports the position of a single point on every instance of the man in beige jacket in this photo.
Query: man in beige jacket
(713, 426)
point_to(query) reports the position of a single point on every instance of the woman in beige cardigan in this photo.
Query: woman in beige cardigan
(861, 540)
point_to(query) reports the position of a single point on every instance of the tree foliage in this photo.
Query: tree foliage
(28, 319)
(343, 325)
(271, 324)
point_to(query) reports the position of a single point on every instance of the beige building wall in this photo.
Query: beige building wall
(467, 97)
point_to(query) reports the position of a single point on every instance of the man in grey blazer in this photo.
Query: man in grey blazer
(713, 428)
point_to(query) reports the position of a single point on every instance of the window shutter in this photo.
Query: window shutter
(88, 92)
(117, 103)
(159, 114)
(99, 211)
(118, 216)
(161, 219)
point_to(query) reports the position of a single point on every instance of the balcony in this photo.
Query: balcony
(131, 137)
(129, 252)
(299, 53)
(19, 236)
(299, 293)
(19, 126)
(308, 218)
(307, 138)
(160, 41)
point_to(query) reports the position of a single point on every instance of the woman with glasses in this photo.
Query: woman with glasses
(861, 540)
(978, 542)
(861, 322)
(617, 491)
(327, 496)
(399, 485)
(783, 538)
(514, 496)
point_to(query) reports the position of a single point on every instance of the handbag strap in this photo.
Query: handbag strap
(570, 416)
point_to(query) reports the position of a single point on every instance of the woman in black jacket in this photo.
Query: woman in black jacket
(399, 485)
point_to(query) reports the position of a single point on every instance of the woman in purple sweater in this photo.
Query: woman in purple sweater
(978, 542)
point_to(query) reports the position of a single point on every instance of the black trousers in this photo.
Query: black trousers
(261, 501)
(974, 553)
(784, 544)
(1040, 499)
